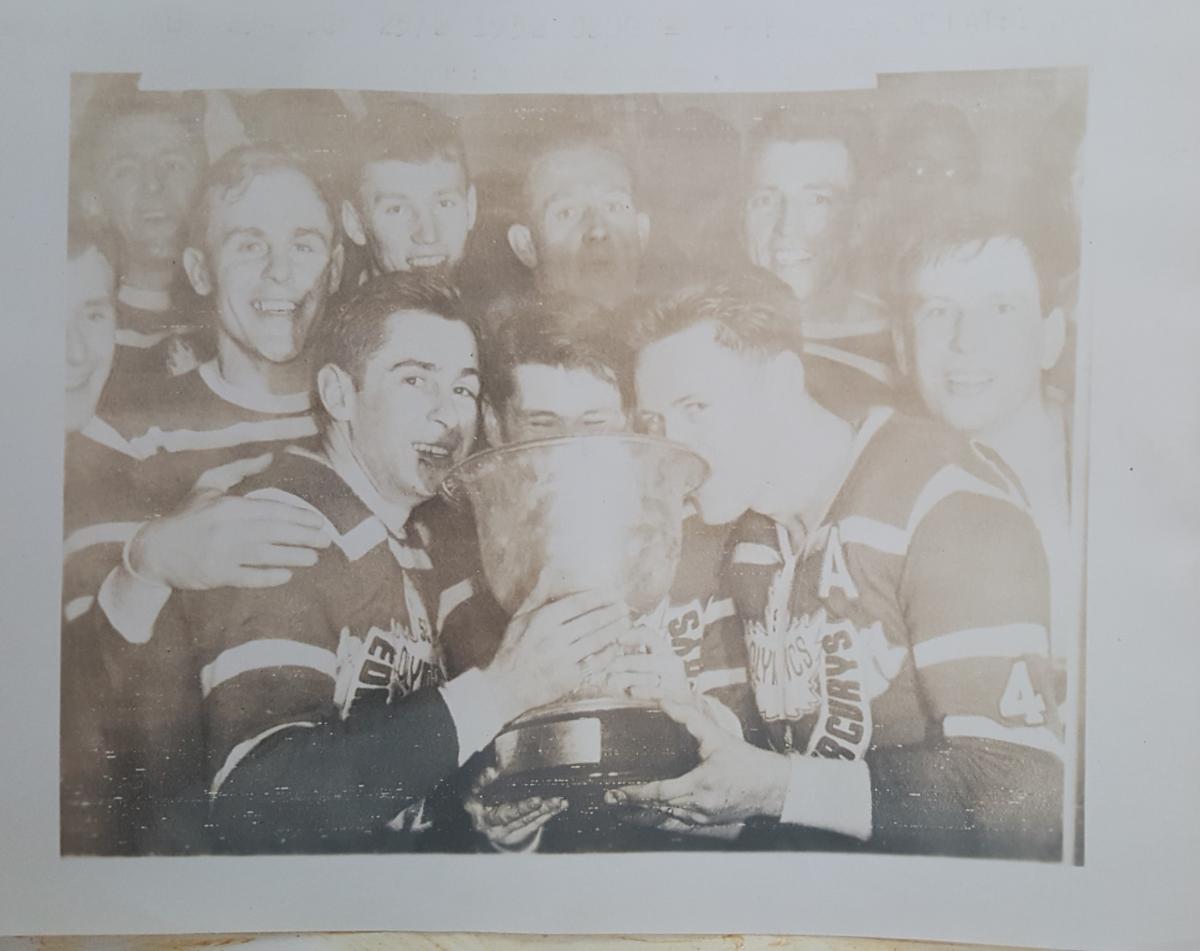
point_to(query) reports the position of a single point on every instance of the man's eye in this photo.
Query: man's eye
(762, 200)
(566, 213)
(466, 391)
(1004, 308)
(694, 407)
(305, 247)
(395, 209)
(99, 316)
(412, 380)
(251, 247)
(448, 202)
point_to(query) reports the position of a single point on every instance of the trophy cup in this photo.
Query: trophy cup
(573, 513)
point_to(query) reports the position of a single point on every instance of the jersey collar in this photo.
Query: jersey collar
(289, 404)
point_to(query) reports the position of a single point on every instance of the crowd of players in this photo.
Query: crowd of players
(276, 634)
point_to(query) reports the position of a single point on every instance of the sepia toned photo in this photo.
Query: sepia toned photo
(567, 474)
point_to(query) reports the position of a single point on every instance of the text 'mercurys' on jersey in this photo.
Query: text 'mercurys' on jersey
(911, 631)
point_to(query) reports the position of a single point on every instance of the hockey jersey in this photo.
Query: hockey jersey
(910, 631)
(321, 729)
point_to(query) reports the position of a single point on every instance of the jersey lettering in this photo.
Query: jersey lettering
(1021, 699)
(835, 573)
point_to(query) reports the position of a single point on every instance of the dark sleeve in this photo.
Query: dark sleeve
(988, 779)
(337, 785)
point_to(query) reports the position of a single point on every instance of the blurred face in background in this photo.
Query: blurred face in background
(556, 401)
(91, 334)
(412, 215)
(979, 339)
(145, 174)
(270, 261)
(797, 216)
(584, 235)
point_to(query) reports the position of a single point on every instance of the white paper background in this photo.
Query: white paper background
(1141, 238)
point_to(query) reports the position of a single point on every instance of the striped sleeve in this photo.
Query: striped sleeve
(989, 781)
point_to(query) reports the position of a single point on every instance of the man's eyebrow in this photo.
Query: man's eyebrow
(687, 398)
(468, 371)
(413, 362)
(234, 232)
(390, 196)
(313, 231)
(97, 301)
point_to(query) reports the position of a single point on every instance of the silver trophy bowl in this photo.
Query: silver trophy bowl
(577, 513)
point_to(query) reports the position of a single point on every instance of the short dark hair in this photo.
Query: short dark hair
(952, 227)
(352, 333)
(796, 123)
(556, 331)
(402, 130)
(229, 177)
(752, 312)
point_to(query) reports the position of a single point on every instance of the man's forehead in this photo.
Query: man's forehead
(546, 382)
(1000, 265)
(144, 133)
(805, 162)
(565, 170)
(260, 203)
(400, 177)
(424, 337)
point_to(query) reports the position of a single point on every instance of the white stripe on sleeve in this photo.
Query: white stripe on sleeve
(104, 533)
(263, 654)
(1005, 640)
(245, 748)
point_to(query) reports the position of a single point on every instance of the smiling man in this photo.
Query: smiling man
(581, 233)
(801, 184)
(981, 329)
(327, 713)
(409, 203)
(140, 162)
(901, 666)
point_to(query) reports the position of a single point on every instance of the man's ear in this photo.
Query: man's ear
(337, 260)
(520, 239)
(491, 426)
(336, 391)
(1054, 338)
(196, 267)
(472, 207)
(352, 224)
(643, 226)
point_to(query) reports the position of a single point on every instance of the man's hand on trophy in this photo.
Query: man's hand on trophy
(510, 826)
(646, 675)
(541, 656)
(734, 781)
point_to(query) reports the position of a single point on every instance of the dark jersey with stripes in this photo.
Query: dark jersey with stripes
(910, 630)
(321, 729)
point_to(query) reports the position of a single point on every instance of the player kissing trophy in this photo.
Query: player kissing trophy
(572, 513)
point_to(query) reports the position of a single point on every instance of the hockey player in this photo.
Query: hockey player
(327, 714)
(895, 604)
(409, 201)
(552, 368)
(981, 328)
(801, 173)
(140, 159)
(580, 232)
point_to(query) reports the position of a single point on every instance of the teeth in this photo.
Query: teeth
(429, 449)
(427, 261)
(274, 306)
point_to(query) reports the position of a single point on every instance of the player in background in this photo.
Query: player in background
(901, 666)
(553, 368)
(802, 173)
(580, 232)
(139, 160)
(327, 713)
(981, 327)
(409, 201)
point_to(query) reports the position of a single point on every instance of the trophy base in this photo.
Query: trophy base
(581, 748)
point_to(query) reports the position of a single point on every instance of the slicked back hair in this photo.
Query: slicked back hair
(810, 124)
(752, 312)
(556, 331)
(355, 330)
(229, 177)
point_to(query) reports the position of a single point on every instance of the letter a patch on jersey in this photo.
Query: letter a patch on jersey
(835, 573)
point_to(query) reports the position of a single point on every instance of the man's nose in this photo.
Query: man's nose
(153, 178)
(967, 331)
(425, 230)
(793, 217)
(594, 226)
(279, 265)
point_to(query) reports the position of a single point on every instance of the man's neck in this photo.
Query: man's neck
(258, 376)
(820, 446)
(339, 451)
(148, 275)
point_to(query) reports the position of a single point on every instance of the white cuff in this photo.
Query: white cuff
(131, 602)
(477, 718)
(829, 794)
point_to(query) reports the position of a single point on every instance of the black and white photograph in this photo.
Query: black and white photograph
(541, 474)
